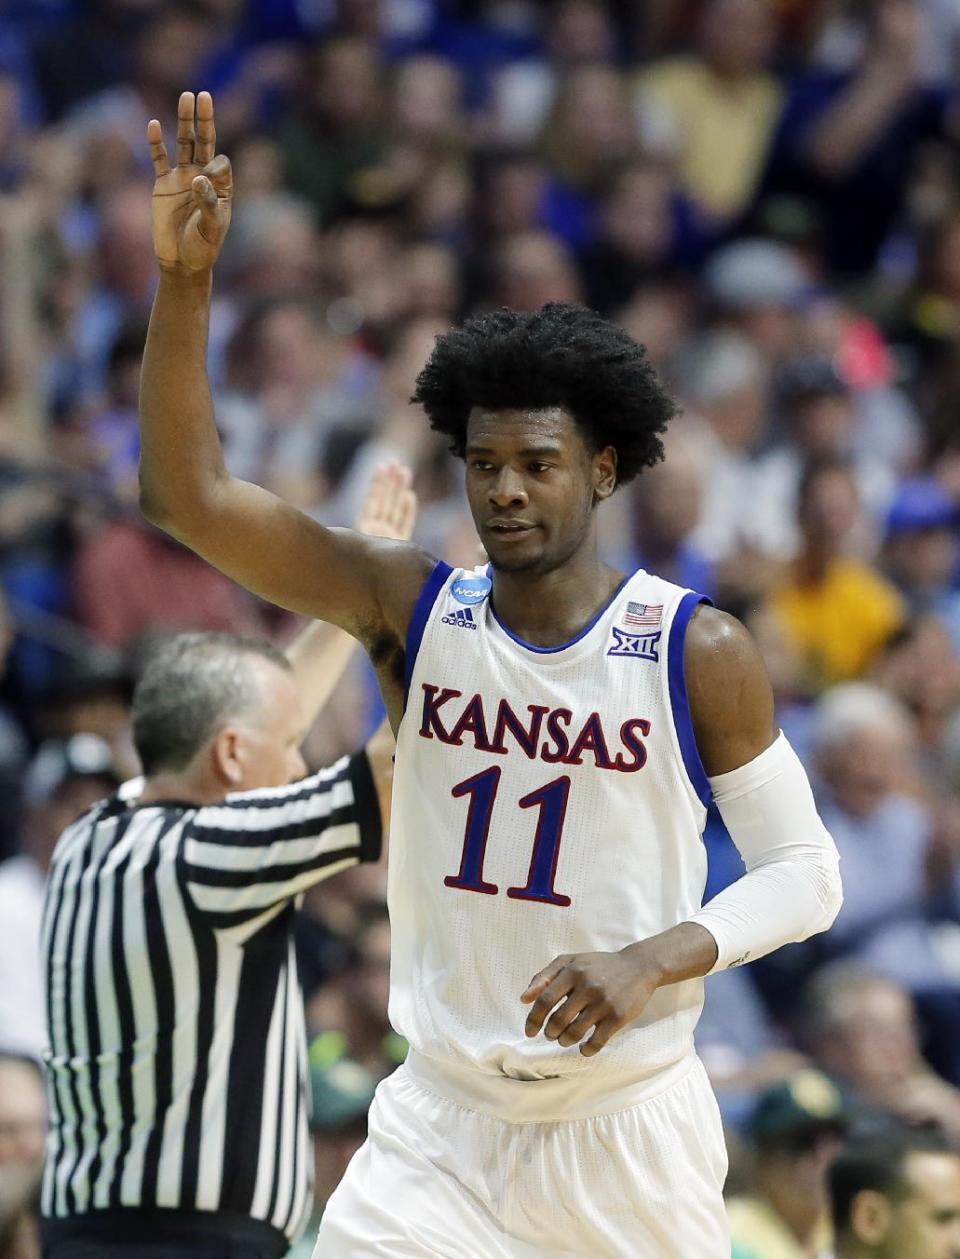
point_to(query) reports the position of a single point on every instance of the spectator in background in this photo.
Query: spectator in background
(718, 107)
(920, 667)
(642, 233)
(927, 327)
(295, 380)
(125, 288)
(531, 269)
(64, 779)
(724, 383)
(339, 129)
(666, 508)
(862, 1031)
(23, 1113)
(821, 424)
(865, 751)
(577, 32)
(23, 1122)
(896, 1194)
(836, 610)
(130, 579)
(843, 136)
(756, 287)
(113, 432)
(590, 134)
(796, 1128)
(922, 552)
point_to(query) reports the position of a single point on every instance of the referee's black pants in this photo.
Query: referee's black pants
(132, 1233)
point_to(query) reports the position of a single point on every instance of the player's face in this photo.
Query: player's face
(532, 485)
(926, 1222)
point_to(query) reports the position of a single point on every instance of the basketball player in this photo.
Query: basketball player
(561, 727)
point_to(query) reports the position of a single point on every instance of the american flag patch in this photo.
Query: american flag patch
(646, 614)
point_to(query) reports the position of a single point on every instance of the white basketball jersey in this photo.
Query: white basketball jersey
(546, 801)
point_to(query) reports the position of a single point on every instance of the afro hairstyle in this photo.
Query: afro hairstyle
(561, 356)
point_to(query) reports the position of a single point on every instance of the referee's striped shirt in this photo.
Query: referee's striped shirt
(176, 1061)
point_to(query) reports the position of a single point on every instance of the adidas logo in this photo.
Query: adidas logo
(463, 617)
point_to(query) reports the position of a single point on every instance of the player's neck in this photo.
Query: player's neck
(549, 609)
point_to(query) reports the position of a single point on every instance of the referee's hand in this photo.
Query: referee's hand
(192, 201)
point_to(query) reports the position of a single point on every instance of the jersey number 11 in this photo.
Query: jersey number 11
(551, 800)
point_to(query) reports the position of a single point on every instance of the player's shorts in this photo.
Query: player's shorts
(460, 1165)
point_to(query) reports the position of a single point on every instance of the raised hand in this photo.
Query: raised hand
(389, 509)
(192, 201)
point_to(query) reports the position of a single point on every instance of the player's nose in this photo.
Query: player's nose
(507, 488)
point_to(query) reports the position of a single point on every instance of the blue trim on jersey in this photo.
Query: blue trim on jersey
(549, 651)
(419, 617)
(679, 701)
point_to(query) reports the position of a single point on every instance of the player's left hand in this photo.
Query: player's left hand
(603, 991)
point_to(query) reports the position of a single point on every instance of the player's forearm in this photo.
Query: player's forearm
(792, 887)
(180, 455)
(319, 656)
(784, 902)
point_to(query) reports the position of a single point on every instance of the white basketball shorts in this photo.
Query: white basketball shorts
(455, 1167)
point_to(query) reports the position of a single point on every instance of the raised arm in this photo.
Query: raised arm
(366, 586)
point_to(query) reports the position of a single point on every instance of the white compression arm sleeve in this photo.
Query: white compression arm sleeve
(792, 886)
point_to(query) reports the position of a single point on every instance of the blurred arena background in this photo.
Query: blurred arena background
(764, 192)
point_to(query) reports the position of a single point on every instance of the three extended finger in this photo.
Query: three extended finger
(206, 144)
(186, 131)
(158, 150)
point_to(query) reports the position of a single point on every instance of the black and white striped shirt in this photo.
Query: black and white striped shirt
(177, 1056)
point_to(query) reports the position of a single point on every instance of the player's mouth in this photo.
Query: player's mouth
(510, 530)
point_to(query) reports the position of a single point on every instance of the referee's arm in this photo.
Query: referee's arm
(258, 848)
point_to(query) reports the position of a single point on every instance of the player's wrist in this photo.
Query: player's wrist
(687, 951)
(178, 275)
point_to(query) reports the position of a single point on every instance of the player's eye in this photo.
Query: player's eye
(540, 467)
(481, 465)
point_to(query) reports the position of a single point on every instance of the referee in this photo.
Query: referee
(177, 1066)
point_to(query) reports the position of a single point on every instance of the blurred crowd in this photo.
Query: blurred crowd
(766, 193)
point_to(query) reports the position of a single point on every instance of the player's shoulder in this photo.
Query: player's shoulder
(721, 661)
(716, 637)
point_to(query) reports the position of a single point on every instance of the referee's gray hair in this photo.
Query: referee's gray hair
(191, 686)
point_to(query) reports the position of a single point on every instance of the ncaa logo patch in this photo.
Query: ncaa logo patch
(637, 646)
(462, 618)
(471, 590)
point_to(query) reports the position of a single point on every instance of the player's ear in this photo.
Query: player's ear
(604, 473)
(870, 1217)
